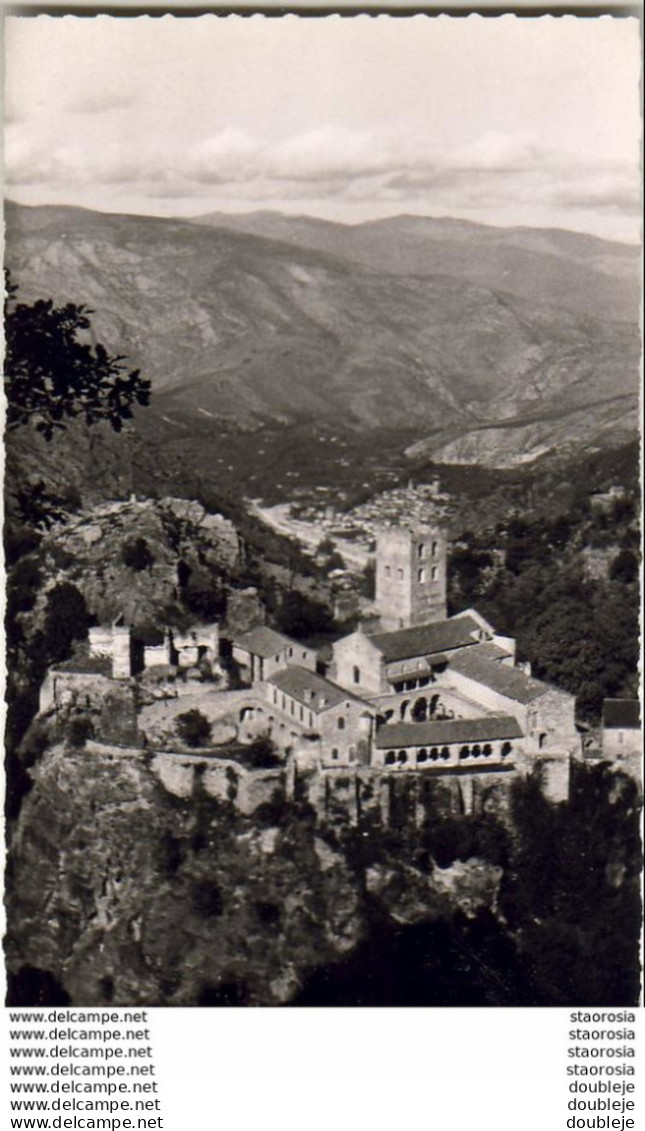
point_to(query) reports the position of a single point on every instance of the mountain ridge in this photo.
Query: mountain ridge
(252, 331)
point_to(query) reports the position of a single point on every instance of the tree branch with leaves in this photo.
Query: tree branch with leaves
(52, 375)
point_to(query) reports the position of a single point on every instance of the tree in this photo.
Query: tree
(136, 554)
(624, 567)
(51, 374)
(66, 620)
(79, 730)
(193, 728)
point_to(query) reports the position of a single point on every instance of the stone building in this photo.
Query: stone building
(451, 744)
(188, 649)
(409, 658)
(341, 723)
(546, 714)
(622, 736)
(263, 651)
(410, 575)
(114, 644)
(431, 696)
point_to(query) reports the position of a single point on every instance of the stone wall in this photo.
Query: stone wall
(367, 796)
(621, 743)
(221, 778)
(356, 651)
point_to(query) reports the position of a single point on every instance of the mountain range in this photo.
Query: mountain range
(475, 344)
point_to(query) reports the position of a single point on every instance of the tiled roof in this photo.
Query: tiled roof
(490, 650)
(506, 680)
(263, 641)
(621, 713)
(489, 728)
(312, 690)
(425, 639)
(86, 665)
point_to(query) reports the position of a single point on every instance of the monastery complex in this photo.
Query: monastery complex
(410, 692)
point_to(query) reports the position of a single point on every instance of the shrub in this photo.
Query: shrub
(79, 729)
(136, 554)
(207, 899)
(193, 728)
(261, 754)
(624, 567)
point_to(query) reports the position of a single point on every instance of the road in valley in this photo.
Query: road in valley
(309, 534)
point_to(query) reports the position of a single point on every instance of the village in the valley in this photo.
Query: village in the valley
(410, 692)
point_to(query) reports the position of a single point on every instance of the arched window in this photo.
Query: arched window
(420, 549)
(477, 751)
(488, 750)
(334, 752)
(434, 754)
(387, 571)
(390, 758)
(433, 573)
(422, 756)
(402, 756)
(464, 752)
(421, 574)
(445, 753)
(340, 723)
(357, 674)
(420, 710)
(506, 749)
(434, 549)
(403, 708)
(400, 573)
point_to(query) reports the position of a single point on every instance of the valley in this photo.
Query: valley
(361, 350)
(302, 396)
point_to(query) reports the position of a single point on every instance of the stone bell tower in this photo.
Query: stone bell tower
(410, 576)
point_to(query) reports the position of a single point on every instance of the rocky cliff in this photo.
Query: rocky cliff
(122, 892)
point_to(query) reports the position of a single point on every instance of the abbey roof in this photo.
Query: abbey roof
(312, 690)
(511, 682)
(621, 714)
(264, 642)
(443, 732)
(426, 639)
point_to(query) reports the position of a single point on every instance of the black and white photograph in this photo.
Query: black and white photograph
(322, 511)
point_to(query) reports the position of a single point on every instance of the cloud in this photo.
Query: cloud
(352, 167)
(498, 151)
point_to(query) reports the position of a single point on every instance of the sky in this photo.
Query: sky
(502, 121)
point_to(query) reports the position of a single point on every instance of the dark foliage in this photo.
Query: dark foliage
(31, 986)
(79, 729)
(193, 728)
(66, 620)
(52, 375)
(580, 632)
(624, 567)
(261, 754)
(207, 900)
(571, 894)
(137, 555)
(300, 616)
